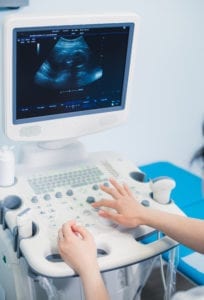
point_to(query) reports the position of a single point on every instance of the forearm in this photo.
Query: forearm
(94, 286)
(187, 231)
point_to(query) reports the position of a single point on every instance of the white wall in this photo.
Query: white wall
(168, 105)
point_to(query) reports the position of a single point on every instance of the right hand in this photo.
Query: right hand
(124, 207)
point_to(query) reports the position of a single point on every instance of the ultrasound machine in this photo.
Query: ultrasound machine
(67, 76)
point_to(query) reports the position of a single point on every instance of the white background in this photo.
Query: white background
(167, 109)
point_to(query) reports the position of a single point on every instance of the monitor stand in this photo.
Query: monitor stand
(52, 153)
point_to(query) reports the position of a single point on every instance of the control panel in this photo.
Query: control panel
(41, 200)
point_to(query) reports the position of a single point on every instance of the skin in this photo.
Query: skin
(124, 209)
(130, 213)
(76, 242)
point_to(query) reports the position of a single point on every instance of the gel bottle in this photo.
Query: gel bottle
(7, 166)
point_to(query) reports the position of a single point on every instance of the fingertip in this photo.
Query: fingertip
(97, 204)
(69, 223)
(115, 184)
(76, 226)
(102, 213)
(67, 227)
(79, 229)
(103, 187)
(126, 187)
(111, 179)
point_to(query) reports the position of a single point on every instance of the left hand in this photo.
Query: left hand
(77, 248)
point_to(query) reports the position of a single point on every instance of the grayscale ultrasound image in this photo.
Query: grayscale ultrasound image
(69, 65)
(75, 70)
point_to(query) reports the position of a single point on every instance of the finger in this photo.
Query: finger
(117, 186)
(106, 203)
(111, 191)
(67, 228)
(60, 235)
(82, 231)
(115, 217)
(127, 189)
(61, 247)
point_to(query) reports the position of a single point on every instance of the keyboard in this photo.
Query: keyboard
(77, 177)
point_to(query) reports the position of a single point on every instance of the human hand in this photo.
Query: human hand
(126, 210)
(77, 248)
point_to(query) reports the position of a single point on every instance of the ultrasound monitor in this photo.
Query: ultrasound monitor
(67, 76)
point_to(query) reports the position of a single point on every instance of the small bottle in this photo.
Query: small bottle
(7, 166)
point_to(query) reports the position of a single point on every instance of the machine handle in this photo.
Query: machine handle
(160, 246)
(117, 256)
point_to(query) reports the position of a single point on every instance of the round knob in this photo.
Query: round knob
(95, 187)
(145, 203)
(12, 202)
(69, 193)
(47, 197)
(58, 195)
(34, 199)
(138, 176)
(90, 199)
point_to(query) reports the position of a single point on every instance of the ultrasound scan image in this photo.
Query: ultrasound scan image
(69, 65)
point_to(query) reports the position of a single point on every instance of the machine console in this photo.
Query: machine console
(50, 197)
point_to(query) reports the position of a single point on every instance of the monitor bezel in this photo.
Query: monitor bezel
(62, 127)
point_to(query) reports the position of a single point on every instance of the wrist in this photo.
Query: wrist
(91, 277)
(145, 216)
(92, 268)
(93, 285)
(151, 217)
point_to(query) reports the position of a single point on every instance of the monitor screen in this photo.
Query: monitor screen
(68, 71)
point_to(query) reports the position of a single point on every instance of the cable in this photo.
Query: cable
(171, 273)
(162, 272)
(48, 286)
(159, 235)
(169, 281)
